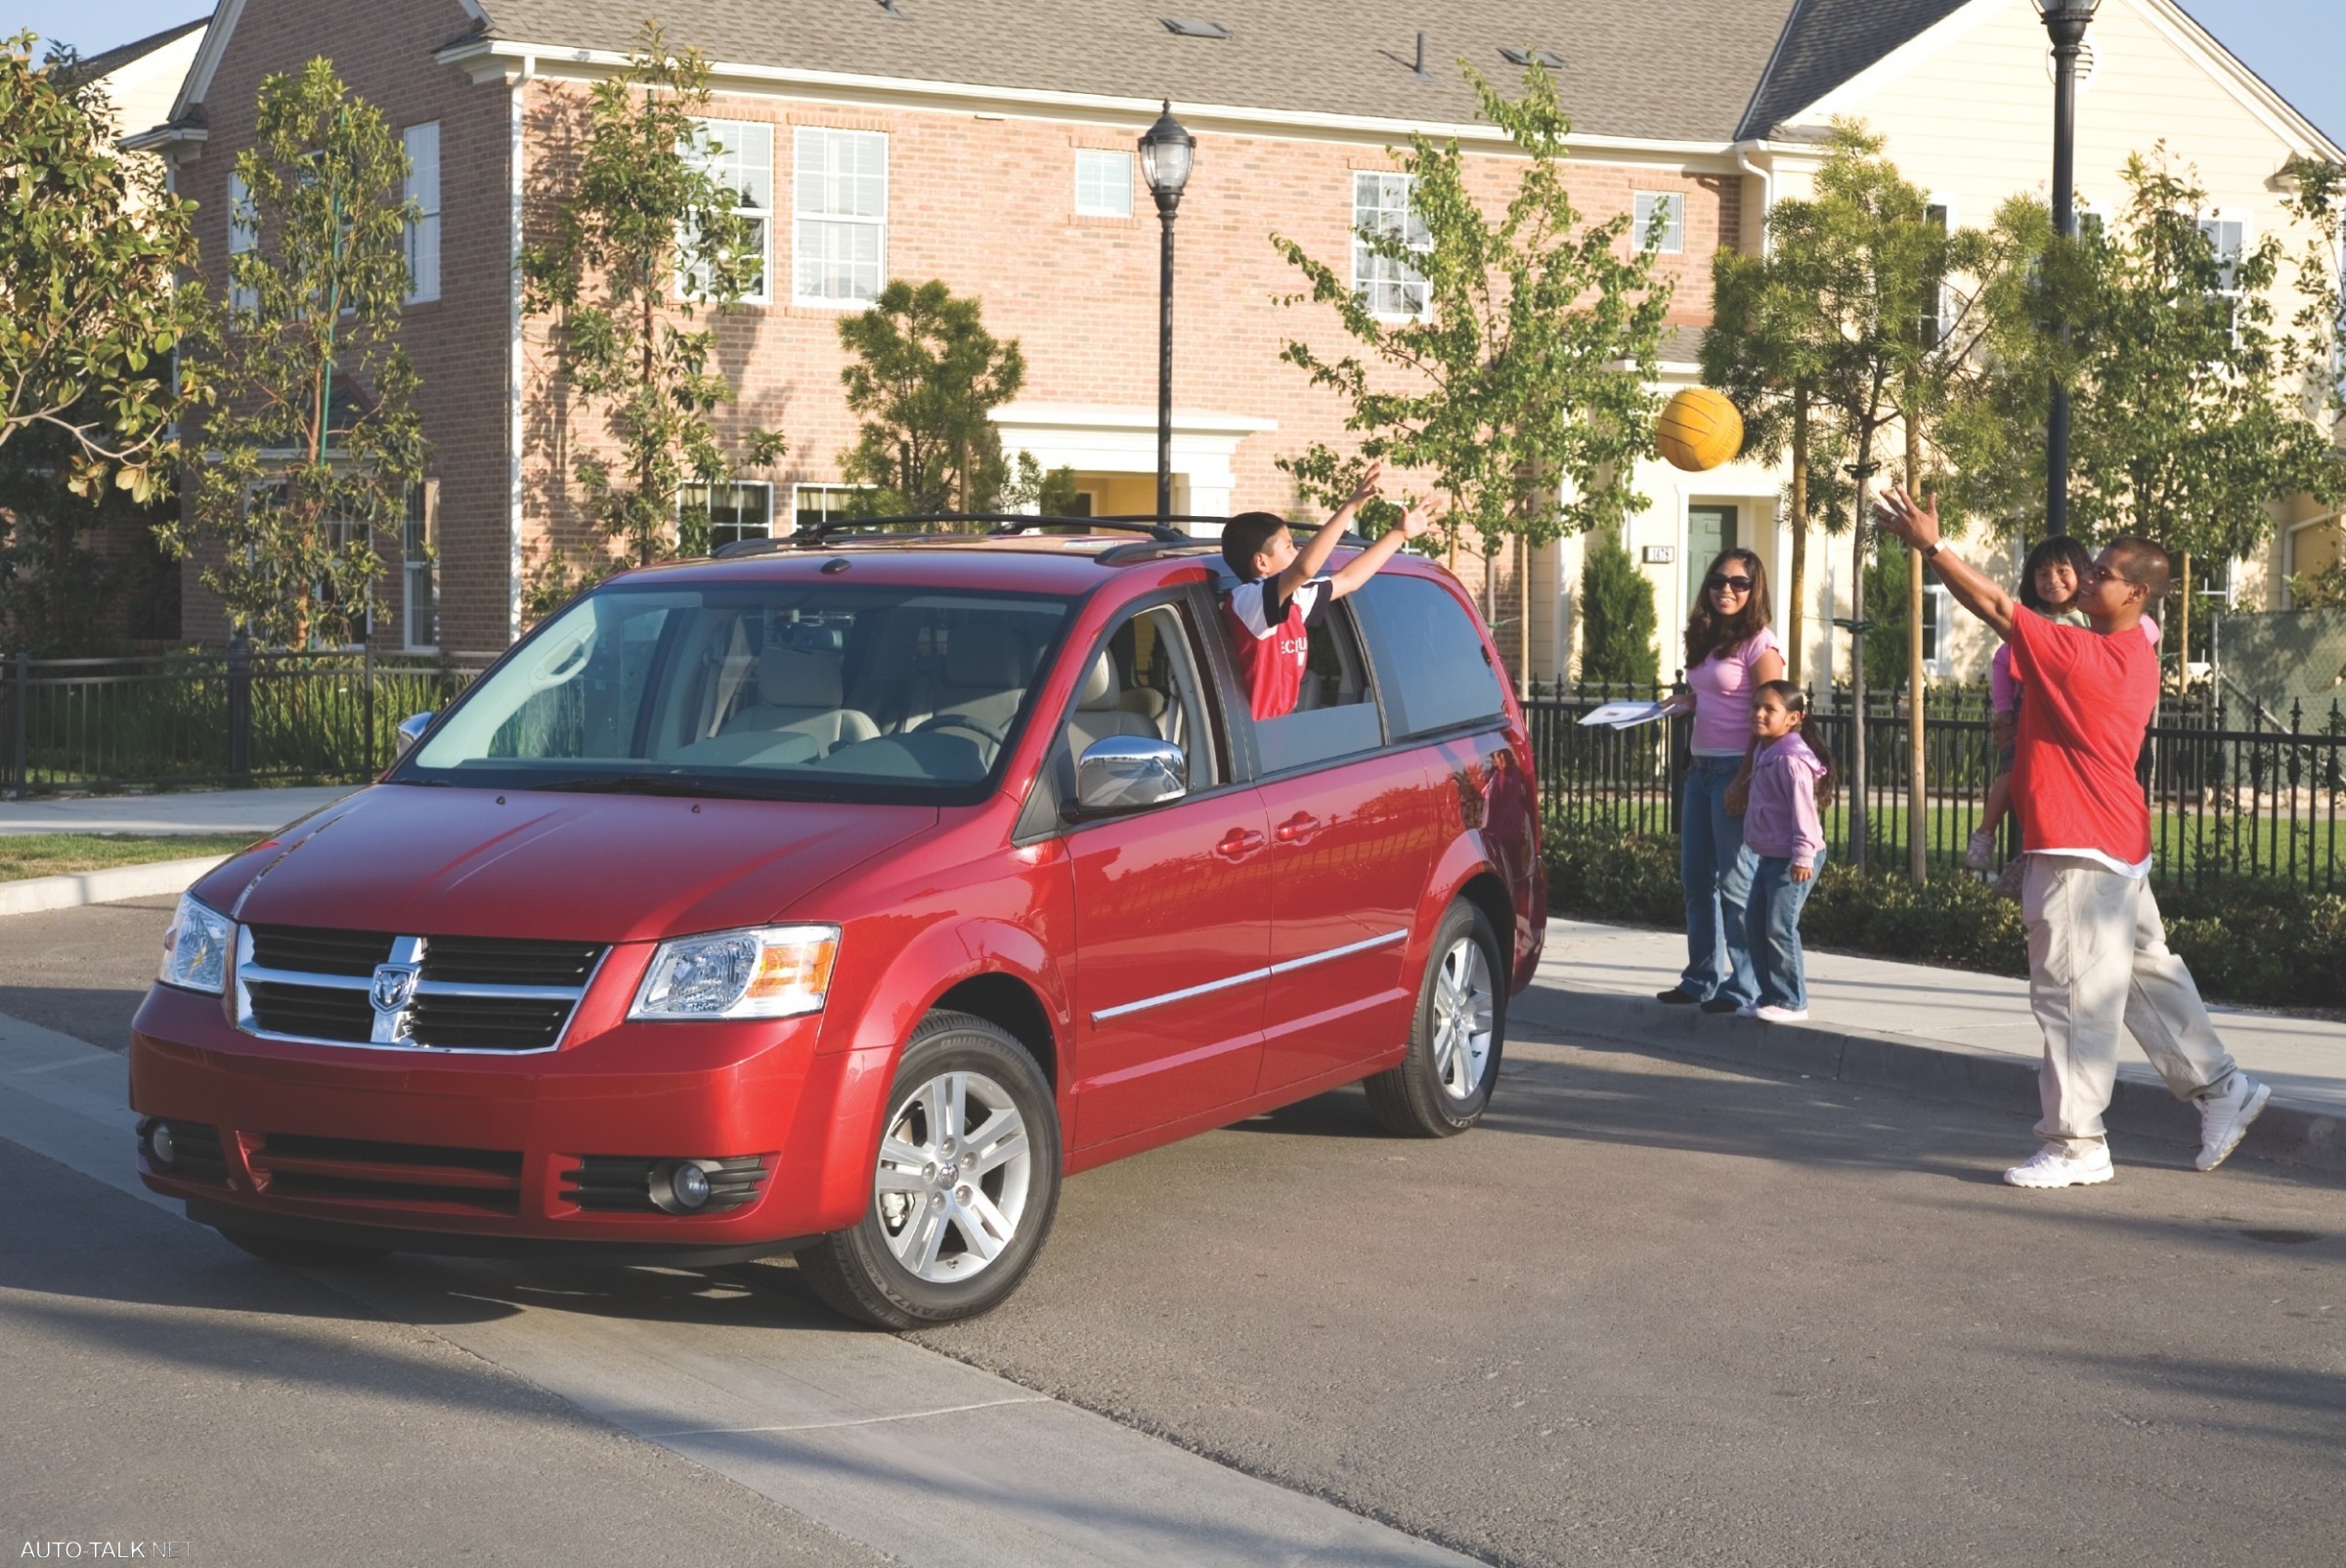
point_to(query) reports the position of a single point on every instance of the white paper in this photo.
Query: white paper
(1626, 715)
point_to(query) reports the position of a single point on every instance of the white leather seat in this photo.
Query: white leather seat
(1099, 710)
(798, 690)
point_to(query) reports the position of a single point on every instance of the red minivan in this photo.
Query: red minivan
(839, 898)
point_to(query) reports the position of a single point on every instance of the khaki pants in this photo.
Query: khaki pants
(2097, 957)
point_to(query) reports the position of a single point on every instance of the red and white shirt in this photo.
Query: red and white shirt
(1272, 642)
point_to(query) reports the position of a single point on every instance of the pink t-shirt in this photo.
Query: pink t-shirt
(1722, 696)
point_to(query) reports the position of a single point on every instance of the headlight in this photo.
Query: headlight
(195, 947)
(771, 972)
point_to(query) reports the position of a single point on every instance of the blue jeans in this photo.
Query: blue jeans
(1717, 870)
(1775, 930)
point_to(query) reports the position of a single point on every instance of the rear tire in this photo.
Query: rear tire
(297, 1252)
(963, 1190)
(1444, 1082)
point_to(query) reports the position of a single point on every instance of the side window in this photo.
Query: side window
(1431, 665)
(1334, 716)
(1146, 683)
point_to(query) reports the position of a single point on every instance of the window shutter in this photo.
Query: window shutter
(431, 513)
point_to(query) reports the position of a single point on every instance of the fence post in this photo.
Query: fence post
(366, 701)
(239, 708)
(20, 750)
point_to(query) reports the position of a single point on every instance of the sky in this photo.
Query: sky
(2298, 46)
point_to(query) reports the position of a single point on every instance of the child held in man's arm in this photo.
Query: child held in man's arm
(1281, 595)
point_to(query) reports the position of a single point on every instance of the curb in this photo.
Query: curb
(1939, 1070)
(36, 894)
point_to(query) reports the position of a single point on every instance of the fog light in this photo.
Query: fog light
(161, 1152)
(679, 1186)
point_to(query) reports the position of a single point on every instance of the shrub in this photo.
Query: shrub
(1617, 619)
(2256, 940)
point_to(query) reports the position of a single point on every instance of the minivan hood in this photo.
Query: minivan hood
(467, 862)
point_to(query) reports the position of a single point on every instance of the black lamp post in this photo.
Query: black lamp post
(1166, 152)
(2065, 22)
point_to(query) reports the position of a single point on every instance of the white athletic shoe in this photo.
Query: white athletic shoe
(2054, 1165)
(1980, 853)
(2225, 1118)
(1781, 1015)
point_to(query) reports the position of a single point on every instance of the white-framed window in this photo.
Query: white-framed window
(2228, 234)
(1671, 207)
(1382, 205)
(1938, 614)
(739, 154)
(1102, 183)
(1937, 310)
(738, 509)
(243, 233)
(811, 505)
(839, 202)
(424, 217)
(420, 539)
(2216, 581)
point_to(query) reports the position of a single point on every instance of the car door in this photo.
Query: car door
(1351, 847)
(1172, 902)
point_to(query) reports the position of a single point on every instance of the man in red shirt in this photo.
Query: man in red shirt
(1281, 595)
(2098, 954)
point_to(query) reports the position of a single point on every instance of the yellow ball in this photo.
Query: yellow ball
(1698, 429)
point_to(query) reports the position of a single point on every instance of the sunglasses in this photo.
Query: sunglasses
(1719, 580)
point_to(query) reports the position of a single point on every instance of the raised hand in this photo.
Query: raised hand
(1899, 514)
(1372, 479)
(1421, 517)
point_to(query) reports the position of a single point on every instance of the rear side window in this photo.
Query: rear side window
(1430, 665)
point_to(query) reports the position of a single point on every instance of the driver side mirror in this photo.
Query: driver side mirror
(410, 731)
(1125, 773)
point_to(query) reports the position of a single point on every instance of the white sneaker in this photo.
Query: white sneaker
(1781, 1015)
(2054, 1165)
(2225, 1118)
(1980, 853)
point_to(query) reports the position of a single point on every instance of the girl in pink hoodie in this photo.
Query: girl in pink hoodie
(1792, 775)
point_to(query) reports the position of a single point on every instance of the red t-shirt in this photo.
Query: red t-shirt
(2091, 699)
(1272, 642)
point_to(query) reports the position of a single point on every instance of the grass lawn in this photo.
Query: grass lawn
(50, 855)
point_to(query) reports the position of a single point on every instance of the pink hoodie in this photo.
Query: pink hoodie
(1781, 822)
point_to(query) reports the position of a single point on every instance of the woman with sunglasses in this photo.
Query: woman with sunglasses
(1730, 652)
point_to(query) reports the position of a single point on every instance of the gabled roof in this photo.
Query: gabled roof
(1675, 71)
(121, 55)
(1825, 43)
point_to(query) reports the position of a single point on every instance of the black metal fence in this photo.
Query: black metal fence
(2231, 793)
(234, 717)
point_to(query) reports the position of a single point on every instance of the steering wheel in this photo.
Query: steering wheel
(963, 721)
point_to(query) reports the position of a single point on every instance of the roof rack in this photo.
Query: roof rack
(1000, 525)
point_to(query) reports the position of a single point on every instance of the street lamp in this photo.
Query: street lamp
(2065, 21)
(1167, 151)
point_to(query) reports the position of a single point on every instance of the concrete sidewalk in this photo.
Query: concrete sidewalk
(258, 811)
(1924, 1029)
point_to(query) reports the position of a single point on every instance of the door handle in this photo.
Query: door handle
(1299, 828)
(1238, 844)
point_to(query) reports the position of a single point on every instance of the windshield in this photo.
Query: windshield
(793, 690)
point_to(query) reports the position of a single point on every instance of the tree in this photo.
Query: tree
(90, 248)
(925, 378)
(315, 448)
(1526, 384)
(646, 233)
(1617, 618)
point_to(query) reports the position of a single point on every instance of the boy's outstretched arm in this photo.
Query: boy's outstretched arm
(1974, 589)
(1414, 524)
(1314, 554)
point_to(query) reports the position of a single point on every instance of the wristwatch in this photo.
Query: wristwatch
(1932, 550)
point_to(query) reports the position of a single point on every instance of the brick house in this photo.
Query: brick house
(990, 145)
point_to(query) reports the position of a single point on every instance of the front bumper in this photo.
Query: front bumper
(523, 1154)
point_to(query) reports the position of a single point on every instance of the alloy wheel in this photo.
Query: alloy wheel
(955, 1171)
(1462, 1014)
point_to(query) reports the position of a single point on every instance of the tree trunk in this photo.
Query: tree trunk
(1857, 544)
(1796, 612)
(1917, 817)
(2183, 626)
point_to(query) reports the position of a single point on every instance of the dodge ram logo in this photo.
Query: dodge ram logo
(394, 986)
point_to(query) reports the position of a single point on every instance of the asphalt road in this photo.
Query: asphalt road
(1652, 1312)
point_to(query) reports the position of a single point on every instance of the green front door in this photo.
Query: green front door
(1709, 530)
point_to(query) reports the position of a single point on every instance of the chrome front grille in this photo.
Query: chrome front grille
(409, 993)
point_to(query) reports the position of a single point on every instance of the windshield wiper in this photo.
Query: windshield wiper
(639, 784)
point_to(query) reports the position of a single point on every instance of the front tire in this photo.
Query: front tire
(1444, 1083)
(964, 1188)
